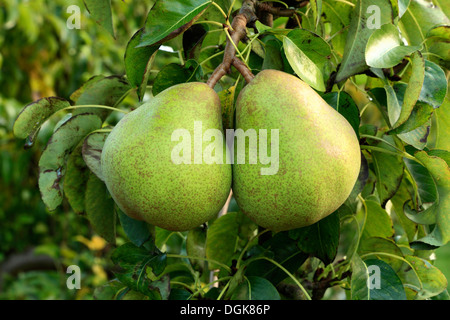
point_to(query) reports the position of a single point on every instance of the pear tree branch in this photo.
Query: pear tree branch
(250, 12)
(238, 32)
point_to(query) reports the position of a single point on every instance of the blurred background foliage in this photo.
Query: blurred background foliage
(41, 57)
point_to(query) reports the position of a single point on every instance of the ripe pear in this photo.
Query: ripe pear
(318, 153)
(138, 164)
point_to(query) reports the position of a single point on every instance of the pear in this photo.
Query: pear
(152, 178)
(317, 150)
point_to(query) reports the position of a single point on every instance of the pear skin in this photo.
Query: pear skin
(138, 167)
(319, 154)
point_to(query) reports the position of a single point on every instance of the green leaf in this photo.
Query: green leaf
(361, 181)
(338, 14)
(255, 288)
(442, 115)
(75, 179)
(33, 115)
(420, 17)
(434, 86)
(420, 116)
(92, 152)
(388, 169)
(417, 137)
(196, 246)
(384, 283)
(426, 187)
(226, 97)
(316, 6)
(275, 31)
(100, 209)
(165, 18)
(402, 196)
(213, 14)
(221, 239)
(444, 295)
(282, 249)
(179, 294)
(137, 231)
(100, 90)
(440, 53)
(142, 270)
(402, 7)
(320, 239)
(138, 62)
(193, 39)
(394, 99)
(273, 59)
(344, 104)
(360, 275)
(172, 74)
(109, 290)
(384, 48)
(101, 13)
(303, 66)
(440, 209)
(411, 130)
(353, 61)
(378, 222)
(52, 164)
(413, 89)
(422, 278)
(312, 45)
(440, 31)
(382, 249)
(444, 6)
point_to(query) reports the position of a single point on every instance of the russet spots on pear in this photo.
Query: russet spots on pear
(319, 154)
(139, 171)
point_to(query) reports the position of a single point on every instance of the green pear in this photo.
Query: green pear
(317, 150)
(153, 165)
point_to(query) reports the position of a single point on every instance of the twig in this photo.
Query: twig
(250, 11)
(276, 11)
(238, 32)
(226, 205)
(242, 68)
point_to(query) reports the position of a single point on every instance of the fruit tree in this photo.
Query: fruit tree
(286, 150)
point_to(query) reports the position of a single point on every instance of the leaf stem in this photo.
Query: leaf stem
(231, 8)
(378, 149)
(96, 106)
(235, 46)
(239, 260)
(381, 139)
(277, 1)
(211, 57)
(220, 9)
(395, 257)
(172, 255)
(223, 290)
(211, 22)
(181, 284)
(208, 285)
(308, 297)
